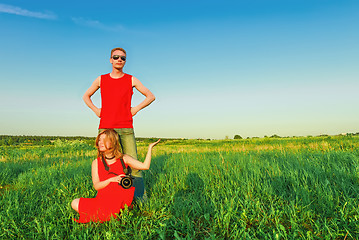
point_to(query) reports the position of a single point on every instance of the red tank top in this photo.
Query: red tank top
(116, 94)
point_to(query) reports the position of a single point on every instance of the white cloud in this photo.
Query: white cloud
(23, 12)
(96, 24)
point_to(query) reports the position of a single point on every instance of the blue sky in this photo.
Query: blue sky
(217, 68)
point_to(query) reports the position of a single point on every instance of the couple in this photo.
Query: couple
(115, 132)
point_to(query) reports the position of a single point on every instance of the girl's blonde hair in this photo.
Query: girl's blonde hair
(113, 140)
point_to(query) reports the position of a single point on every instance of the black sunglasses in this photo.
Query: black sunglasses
(115, 57)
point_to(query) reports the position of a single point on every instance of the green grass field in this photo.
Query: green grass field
(286, 188)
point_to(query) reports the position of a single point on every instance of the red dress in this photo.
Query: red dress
(109, 200)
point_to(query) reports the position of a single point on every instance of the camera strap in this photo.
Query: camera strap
(105, 164)
(127, 170)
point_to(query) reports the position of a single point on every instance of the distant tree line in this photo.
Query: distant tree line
(237, 137)
(276, 136)
(9, 140)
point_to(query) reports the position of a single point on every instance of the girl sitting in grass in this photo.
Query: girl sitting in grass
(107, 173)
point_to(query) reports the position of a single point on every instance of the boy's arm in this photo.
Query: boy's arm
(146, 92)
(87, 96)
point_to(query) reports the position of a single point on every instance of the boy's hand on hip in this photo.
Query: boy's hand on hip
(134, 111)
(98, 112)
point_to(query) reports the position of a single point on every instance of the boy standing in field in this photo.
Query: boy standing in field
(116, 111)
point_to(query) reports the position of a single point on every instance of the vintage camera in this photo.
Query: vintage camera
(126, 182)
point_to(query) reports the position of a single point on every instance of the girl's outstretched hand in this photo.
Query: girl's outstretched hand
(154, 144)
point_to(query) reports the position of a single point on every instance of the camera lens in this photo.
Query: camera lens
(126, 182)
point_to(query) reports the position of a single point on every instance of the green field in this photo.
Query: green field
(267, 188)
